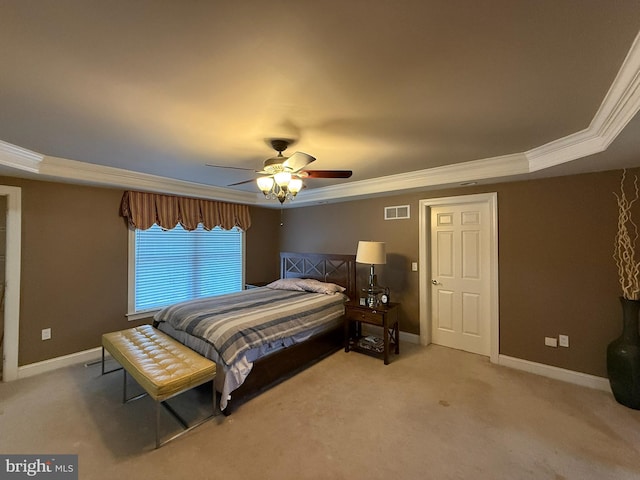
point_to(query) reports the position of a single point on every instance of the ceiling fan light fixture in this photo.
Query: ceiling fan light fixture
(282, 179)
(295, 185)
(265, 184)
(280, 186)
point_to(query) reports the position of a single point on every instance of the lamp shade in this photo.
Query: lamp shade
(295, 185)
(282, 178)
(265, 183)
(373, 253)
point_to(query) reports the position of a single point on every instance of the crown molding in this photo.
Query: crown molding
(18, 157)
(82, 172)
(622, 101)
(505, 165)
(574, 146)
(620, 105)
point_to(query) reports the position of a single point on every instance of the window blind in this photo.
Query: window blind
(176, 265)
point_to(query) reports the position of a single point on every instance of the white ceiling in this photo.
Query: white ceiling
(407, 94)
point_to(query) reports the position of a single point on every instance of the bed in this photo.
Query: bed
(307, 296)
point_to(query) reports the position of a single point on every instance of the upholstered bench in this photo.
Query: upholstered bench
(161, 365)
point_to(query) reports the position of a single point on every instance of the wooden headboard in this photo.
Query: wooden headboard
(338, 269)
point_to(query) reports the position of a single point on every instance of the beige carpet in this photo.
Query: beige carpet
(432, 413)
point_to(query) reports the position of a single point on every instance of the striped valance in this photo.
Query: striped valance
(144, 209)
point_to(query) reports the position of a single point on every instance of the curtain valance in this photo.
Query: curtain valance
(143, 209)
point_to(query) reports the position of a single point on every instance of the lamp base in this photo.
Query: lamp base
(373, 290)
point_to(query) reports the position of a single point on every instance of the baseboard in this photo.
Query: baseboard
(37, 368)
(557, 373)
(94, 354)
(377, 331)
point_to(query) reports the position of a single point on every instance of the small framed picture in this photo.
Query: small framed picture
(363, 301)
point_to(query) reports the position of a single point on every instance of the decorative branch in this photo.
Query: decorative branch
(624, 251)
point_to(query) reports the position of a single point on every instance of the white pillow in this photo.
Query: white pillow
(311, 285)
(286, 284)
(306, 285)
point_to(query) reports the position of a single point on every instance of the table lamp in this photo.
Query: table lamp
(372, 253)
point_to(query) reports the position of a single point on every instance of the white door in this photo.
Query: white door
(460, 276)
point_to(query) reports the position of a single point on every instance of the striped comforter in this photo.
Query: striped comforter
(237, 322)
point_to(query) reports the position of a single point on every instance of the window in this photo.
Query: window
(169, 266)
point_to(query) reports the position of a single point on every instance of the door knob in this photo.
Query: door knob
(435, 282)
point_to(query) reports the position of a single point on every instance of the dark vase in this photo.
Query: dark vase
(623, 358)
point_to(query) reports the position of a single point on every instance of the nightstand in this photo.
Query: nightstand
(385, 316)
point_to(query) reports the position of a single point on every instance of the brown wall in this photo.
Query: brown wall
(263, 246)
(337, 228)
(74, 265)
(555, 243)
(556, 272)
(74, 268)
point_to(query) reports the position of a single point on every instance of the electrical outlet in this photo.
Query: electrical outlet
(563, 340)
(551, 342)
(414, 266)
(46, 334)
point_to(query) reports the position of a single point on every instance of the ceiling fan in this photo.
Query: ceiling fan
(281, 177)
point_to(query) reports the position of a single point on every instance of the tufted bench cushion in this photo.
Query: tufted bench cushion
(160, 364)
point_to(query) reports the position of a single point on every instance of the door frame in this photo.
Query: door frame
(424, 261)
(12, 279)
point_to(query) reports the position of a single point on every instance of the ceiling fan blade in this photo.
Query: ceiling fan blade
(327, 173)
(298, 161)
(229, 166)
(241, 183)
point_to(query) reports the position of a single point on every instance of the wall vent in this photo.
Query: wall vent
(398, 212)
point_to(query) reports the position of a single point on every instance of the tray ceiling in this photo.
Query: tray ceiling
(413, 94)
